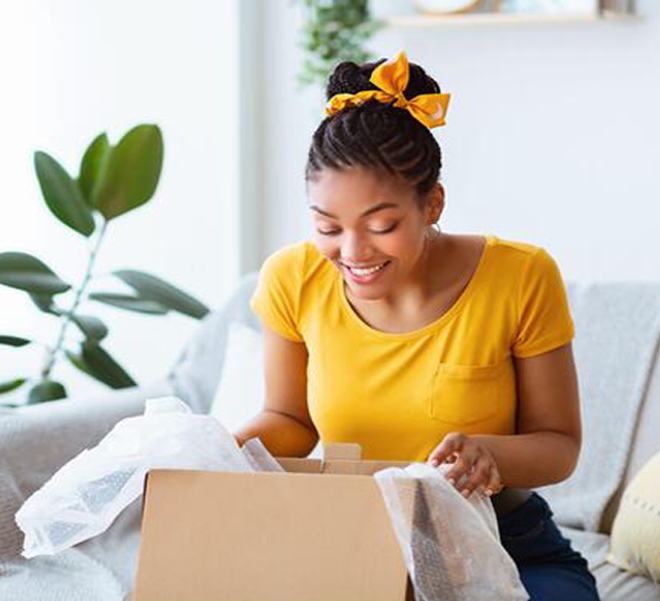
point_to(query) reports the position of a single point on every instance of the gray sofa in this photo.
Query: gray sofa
(36, 441)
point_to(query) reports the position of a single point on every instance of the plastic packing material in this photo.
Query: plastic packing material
(259, 457)
(84, 497)
(451, 546)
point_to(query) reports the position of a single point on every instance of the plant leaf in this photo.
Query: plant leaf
(77, 361)
(132, 172)
(11, 385)
(130, 303)
(150, 287)
(25, 272)
(92, 166)
(14, 341)
(104, 367)
(62, 194)
(45, 303)
(90, 326)
(48, 390)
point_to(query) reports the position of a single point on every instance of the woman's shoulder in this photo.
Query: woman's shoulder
(518, 255)
(514, 248)
(524, 262)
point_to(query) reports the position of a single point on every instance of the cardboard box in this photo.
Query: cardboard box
(319, 532)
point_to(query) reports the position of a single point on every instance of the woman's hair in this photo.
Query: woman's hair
(376, 135)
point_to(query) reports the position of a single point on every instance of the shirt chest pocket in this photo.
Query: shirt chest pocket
(466, 394)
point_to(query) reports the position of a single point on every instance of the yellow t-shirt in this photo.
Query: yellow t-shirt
(398, 395)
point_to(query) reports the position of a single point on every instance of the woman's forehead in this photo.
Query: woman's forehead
(357, 189)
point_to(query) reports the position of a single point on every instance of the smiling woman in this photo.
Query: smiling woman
(420, 345)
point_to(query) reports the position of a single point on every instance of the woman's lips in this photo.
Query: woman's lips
(365, 275)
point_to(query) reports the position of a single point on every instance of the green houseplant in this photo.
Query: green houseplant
(333, 31)
(113, 180)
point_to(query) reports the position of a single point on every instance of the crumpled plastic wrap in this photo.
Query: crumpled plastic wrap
(451, 545)
(85, 496)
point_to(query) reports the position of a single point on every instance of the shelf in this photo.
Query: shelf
(431, 20)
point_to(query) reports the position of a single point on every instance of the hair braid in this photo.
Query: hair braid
(376, 135)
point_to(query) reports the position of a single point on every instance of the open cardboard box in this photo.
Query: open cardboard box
(319, 532)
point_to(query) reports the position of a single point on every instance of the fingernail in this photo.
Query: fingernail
(451, 481)
(435, 462)
(489, 492)
(466, 493)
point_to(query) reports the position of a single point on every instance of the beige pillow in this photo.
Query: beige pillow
(635, 542)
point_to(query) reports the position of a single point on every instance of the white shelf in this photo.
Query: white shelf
(462, 19)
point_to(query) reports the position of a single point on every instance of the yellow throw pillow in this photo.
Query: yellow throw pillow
(635, 542)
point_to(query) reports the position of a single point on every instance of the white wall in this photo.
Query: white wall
(73, 68)
(552, 135)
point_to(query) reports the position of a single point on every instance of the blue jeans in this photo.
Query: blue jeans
(549, 568)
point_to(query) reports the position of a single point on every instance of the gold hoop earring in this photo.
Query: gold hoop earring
(431, 234)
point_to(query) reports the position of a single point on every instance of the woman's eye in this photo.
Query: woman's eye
(387, 230)
(336, 232)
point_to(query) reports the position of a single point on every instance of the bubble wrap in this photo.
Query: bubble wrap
(450, 544)
(85, 496)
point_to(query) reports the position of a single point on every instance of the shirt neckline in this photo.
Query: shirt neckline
(355, 319)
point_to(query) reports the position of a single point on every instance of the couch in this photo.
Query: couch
(36, 441)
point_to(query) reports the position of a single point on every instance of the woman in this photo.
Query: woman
(418, 344)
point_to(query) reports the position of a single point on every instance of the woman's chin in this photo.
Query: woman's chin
(367, 292)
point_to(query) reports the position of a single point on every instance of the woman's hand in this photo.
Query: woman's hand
(472, 459)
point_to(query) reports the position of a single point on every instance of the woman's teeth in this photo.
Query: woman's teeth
(367, 271)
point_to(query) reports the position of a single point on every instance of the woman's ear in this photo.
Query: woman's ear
(436, 204)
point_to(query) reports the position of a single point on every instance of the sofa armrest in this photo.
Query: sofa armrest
(35, 441)
(196, 373)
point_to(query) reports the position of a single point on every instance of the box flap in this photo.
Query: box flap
(342, 450)
(335, 466)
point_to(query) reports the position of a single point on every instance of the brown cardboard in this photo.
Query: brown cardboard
(319, 532)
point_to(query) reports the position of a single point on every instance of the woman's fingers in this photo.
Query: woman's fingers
(494, 483)
(451, 445)
(473, 466)
(462, 467)
(480, 476)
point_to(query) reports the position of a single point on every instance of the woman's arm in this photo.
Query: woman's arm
(545, 450)
(284, 425)
(547, 444)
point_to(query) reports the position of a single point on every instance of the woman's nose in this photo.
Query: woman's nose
(355, 249)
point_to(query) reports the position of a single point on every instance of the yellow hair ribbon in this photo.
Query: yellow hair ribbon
(392, 79)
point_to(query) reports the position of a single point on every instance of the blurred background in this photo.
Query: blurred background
(552, 139)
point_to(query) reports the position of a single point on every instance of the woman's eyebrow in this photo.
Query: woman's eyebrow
(369, 211)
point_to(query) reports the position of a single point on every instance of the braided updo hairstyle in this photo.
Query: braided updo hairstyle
(376, 135)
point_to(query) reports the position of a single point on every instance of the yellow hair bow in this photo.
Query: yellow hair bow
(392, 79)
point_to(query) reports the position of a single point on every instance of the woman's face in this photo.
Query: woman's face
(371, 227)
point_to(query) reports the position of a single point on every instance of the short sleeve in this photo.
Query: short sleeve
(544, 318)
(277, 297)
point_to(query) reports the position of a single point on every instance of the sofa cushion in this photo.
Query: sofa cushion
(614, 584)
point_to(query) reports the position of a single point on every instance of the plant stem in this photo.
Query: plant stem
(52, 355)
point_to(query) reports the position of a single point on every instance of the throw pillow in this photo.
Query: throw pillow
(635, 541)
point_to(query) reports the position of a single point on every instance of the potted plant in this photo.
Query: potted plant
(113, 181)
(333, 31)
